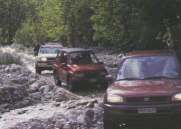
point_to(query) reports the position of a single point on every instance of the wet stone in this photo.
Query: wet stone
(23, 88)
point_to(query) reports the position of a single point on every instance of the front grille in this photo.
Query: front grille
(153, 99)
(51, 59)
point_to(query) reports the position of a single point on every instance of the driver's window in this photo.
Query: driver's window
(58, 57)
(63, 58)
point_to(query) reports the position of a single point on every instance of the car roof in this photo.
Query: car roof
(150, 53)
(71, 50)
(52, 45)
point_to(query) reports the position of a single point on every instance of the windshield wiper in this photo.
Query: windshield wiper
(159, 77)
(130, 78)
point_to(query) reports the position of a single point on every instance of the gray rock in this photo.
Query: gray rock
(89, 117)
(80, 112)
(44, 89)
(34, 87)
(19, 80)
(22, 112)
(1, 82)
(36, 96)
(22, 103)
(59, 124)
(67, 126)
(36, 126)
(12, 94)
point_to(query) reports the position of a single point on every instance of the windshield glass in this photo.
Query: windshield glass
(83, 58)
(49, 50)
(149, 67)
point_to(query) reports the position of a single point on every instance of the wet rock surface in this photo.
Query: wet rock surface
(20, 88)
(55, 115)
(31, 101)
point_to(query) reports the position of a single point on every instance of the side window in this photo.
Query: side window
(58, 57)
(63, 57)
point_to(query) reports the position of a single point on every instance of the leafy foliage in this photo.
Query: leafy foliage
(123, 24)
(140, 24)
(12, 13)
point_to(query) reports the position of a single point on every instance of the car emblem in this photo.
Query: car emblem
(147, 99)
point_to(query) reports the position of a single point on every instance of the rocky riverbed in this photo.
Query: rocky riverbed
(31, 101)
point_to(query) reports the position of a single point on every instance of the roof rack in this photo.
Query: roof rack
(52, 44)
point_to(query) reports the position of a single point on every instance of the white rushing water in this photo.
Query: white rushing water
(25, 55)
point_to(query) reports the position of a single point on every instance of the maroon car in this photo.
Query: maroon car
(76, 66)
(148, 88)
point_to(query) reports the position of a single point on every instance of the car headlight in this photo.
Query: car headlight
(79, 75)
(176, 97)
(115, 99)
(43, 59)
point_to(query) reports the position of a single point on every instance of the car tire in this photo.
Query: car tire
(104, 84)
(110, 125)
(56, 79)
(70, 85)
(38, 70)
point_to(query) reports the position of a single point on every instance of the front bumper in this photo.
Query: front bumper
(97, 81)
(88, 80)
(45, 65)
(124, 113)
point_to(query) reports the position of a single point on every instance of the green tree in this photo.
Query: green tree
(123, 24)
(13, 14)
(139, 24)
(77, 23)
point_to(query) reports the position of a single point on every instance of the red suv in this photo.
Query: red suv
(148, 87)
(75, 66)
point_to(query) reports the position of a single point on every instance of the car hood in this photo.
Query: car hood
(146, 87)
(87, 68)
(47, 55)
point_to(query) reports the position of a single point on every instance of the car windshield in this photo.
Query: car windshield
(83, 58)
(49, 50)
(151, 67)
